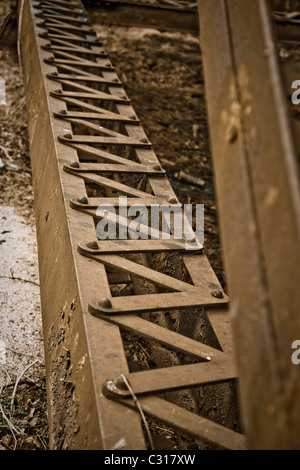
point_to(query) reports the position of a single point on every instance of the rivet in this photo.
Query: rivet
(82, 200)
(74, 165)
(115, 80)
(217, 293)
(63, 111)
(120, 384)
(156, 167)
(108, 65)
(132, 117)
(144, 140)
(93, 245)
(54, 74)
(58, 91)
(68, 136)
(172, 200)
(105, 303)
(232, 134)
(122, 96)
(192, 240)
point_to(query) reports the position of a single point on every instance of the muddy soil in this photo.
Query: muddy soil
(23, 415)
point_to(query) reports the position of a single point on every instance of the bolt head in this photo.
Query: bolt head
(132, 117)
(58, 91)
(54, 74)
(62, 111)
(82, 200)
(75, 164)
(115, 80)
(93, 245)
(156, 167)
(105, 303)
(144, 140)
(217, 293)
(68, 136)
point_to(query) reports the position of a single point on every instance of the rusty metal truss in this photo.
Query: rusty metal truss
(180, 5)
(250, 66)
(88, 147)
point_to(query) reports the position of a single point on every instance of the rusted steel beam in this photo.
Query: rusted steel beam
(285, 5)
(257, 180)
(80, 349)
(76, 161)
(136, 14)
(180, 5)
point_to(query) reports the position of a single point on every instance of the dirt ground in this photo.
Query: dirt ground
(162, 74)
(23, 415)
(21, 342)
